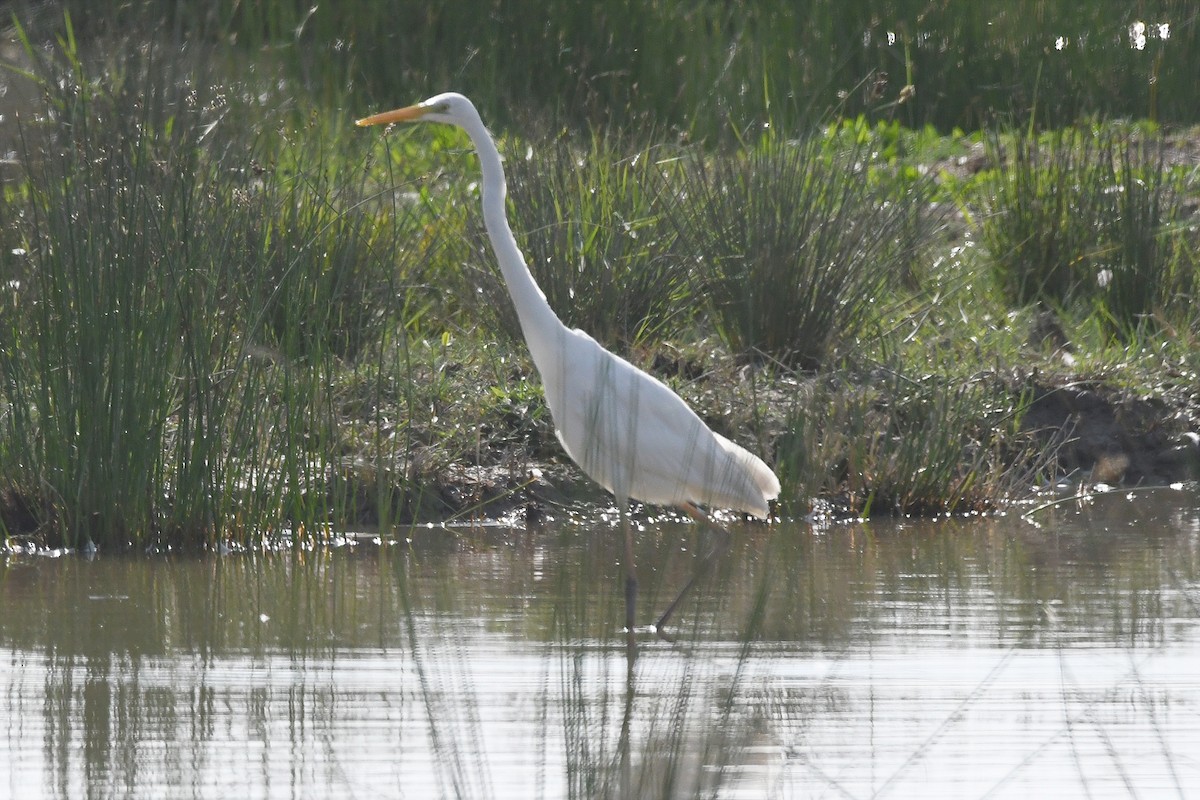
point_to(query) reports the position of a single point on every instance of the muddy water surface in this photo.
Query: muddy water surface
(982, 658)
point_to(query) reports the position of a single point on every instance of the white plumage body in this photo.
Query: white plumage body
(637, 438)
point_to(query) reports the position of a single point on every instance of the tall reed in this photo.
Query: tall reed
(1041, 216)
(1089, 219)
(795, 245)
(596, 240)
(701, 67)
(96, 338)
(181, 313)
(1144, 269)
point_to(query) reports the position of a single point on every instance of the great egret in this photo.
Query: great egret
(626, 429)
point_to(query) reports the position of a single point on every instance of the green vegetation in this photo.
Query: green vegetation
(227, 313)
(795, 242)
(595, 235)
(708, 68)
(1090, 217)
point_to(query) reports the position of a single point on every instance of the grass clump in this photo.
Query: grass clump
(101, 334)
(178, 313)
(1148, 266)
(1039, 220)
(596, 240)
(795, 246)
(1087, 220)
(893, 443)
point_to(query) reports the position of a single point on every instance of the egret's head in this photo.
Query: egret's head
(450, 107)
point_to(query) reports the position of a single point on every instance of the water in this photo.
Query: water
(983, 658)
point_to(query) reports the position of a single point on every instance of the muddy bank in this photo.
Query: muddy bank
(1094, 432)
(1114, 437)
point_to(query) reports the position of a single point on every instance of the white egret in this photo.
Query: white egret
(625, 428)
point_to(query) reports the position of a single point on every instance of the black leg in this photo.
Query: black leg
(631, 587)
(701, 569)
(631, 582)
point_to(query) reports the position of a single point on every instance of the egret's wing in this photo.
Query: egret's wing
(636, 437)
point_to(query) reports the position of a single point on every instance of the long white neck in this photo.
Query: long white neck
(539, 323)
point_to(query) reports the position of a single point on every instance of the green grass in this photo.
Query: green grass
(795, 244)
(900, 444)
(703, 68)
(1088, 219)
(228, 313)
(178, 314)
(595, 235)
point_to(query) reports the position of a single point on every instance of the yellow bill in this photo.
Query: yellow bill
(406, 114)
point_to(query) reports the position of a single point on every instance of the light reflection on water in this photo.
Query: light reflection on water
(957, 659)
